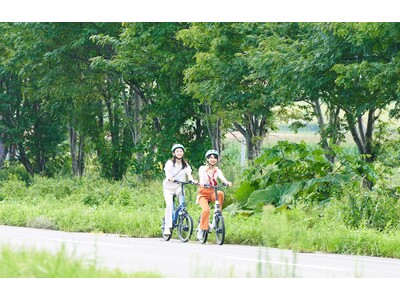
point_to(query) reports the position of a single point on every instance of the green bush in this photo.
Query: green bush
(290, 173)
(137, 211)
(375, 209)
(15, 171)
(309, 230)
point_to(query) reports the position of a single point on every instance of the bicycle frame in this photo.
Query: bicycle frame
(217, 220)
(181, 219)
(217, 206)
(216, 189)
(182, 203)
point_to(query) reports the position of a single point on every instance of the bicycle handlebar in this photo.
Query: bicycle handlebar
(216, 186)
(183, 182)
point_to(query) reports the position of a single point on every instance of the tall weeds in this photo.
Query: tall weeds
(95, 205)
(30, 263)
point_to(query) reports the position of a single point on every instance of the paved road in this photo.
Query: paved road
(175, 259)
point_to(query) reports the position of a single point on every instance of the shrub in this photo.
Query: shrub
(42, 222)
(376, 209)
(15, 172)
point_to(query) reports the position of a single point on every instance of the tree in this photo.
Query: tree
(222, 79)
(344, 66)
(368, 77)
(54, 58)
(151, 61)
(30, 124)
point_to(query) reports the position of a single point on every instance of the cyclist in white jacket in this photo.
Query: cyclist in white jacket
(176, 168)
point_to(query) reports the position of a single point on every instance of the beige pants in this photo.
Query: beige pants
(169, 206)
(206, 195)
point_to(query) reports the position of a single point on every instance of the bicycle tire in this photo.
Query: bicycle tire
(219, 229)
(205, 236)
(165, 237)
(185, 227)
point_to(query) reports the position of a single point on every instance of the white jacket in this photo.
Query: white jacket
(176, 172)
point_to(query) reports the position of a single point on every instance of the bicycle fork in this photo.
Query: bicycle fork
(217, 212)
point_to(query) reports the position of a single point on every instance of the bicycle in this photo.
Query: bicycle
(218, 222)
(181, 219)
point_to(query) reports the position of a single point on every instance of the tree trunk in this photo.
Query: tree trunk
(214, 129)
(81, 156)
(254, 131)
(133, 103)
(363, 138)
(369, 145)
(3, 150)
(77, 153)
(23, 159)
(330, 131)
(72, 146)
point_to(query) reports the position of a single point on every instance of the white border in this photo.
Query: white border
(199, 11)
(198, 289)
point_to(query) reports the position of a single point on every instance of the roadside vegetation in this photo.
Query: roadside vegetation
(31, 263)
(313, 208)
(89, 113)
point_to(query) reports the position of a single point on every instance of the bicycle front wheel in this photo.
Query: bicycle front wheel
(185, 227)
(219, 229)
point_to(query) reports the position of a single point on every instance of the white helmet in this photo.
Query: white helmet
(174, 147)
(212, 151)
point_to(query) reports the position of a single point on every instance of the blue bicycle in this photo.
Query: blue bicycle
(180, 217)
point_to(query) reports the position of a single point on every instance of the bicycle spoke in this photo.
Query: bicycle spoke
(185, 227)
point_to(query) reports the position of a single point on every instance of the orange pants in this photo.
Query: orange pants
(206, 195)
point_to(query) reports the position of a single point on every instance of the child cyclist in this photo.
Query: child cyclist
(176, 168)
(208, 175)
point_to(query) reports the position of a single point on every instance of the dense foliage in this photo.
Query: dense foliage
(120, 94)
(108, 100)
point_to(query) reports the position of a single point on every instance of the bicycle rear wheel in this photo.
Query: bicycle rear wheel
(185, 227)
(219, 229)
(165, 237)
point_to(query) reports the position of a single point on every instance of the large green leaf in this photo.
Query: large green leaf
(277, 194)
(258, 199)
(243, 192)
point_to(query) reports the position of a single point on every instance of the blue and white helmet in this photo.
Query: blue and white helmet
(212, 151)
(176, 146)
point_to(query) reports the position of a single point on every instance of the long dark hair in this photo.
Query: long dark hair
(184, 162)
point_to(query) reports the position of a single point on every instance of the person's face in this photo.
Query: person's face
(212, 159)
(178, 153)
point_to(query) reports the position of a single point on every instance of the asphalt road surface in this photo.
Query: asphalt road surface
(174, 259)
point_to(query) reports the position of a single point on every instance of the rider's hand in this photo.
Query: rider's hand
(195, 182)
(228, 183)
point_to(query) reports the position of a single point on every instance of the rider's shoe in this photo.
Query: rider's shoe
(167, 231)
(199, 234)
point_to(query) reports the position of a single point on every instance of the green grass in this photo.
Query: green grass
(31, 263)
(304, 232)
(96, 205)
